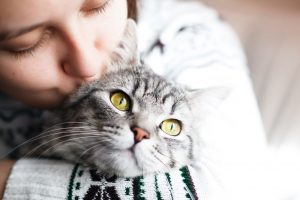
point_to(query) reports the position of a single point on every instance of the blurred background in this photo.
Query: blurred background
(270, 33)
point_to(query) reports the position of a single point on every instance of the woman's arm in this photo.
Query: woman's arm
(38, 179)
(5, 168)
(59, 180)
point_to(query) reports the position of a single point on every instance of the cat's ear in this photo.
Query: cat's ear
(126, 54)
(204, 102)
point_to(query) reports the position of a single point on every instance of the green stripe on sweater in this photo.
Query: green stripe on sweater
(71, 182)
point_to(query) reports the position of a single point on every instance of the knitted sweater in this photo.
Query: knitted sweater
(84, 183)
(183, 41)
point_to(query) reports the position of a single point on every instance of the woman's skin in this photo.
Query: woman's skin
(5, 168)
(48, 48)
(64, 44)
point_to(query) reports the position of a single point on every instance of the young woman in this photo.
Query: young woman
(48, 48)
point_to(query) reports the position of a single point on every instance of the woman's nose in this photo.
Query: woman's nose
(84, 59)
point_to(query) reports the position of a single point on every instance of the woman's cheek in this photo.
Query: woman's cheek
(112, 25)
(29, 74)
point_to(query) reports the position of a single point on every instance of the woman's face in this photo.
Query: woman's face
(49, 47)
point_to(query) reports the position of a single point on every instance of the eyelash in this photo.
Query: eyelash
(100, 9)
(31, 50)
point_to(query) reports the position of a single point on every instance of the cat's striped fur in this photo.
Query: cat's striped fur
(91, 131)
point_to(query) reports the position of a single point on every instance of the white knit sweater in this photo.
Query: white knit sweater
(187, 42)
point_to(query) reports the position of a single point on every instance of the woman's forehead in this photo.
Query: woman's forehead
(16, 13)
(18, 17)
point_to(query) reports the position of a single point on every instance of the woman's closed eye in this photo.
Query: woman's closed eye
(27, 43)
(96, 7)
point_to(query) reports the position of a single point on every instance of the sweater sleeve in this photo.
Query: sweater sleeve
(38, 179)
(33, 179)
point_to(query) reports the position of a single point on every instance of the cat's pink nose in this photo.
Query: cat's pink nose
(139, 134)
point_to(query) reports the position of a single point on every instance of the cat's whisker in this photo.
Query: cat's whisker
(52, 128)
(61, 137)
(42, 135)
(63, 123)
(89, 149)
(171, 159)
(61, 130)
(66, 141)
(53, 146)
(168, 168)
(66, 128)
(157, 158)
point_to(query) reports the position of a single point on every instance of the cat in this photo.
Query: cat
(131, 121)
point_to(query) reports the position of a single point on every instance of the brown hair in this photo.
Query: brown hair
(132, 9)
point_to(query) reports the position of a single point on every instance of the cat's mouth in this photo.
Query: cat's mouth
(132, 150)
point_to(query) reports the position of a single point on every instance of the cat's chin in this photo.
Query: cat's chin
(125, 164)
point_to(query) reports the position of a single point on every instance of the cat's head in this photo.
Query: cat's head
(132, 121)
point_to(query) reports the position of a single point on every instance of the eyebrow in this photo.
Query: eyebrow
(6, 35)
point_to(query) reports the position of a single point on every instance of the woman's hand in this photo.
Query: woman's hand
(5, 168)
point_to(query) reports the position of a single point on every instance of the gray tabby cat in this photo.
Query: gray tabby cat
(131, 121)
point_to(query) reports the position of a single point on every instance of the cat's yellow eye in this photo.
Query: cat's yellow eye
(120, 101)
(171, 127)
